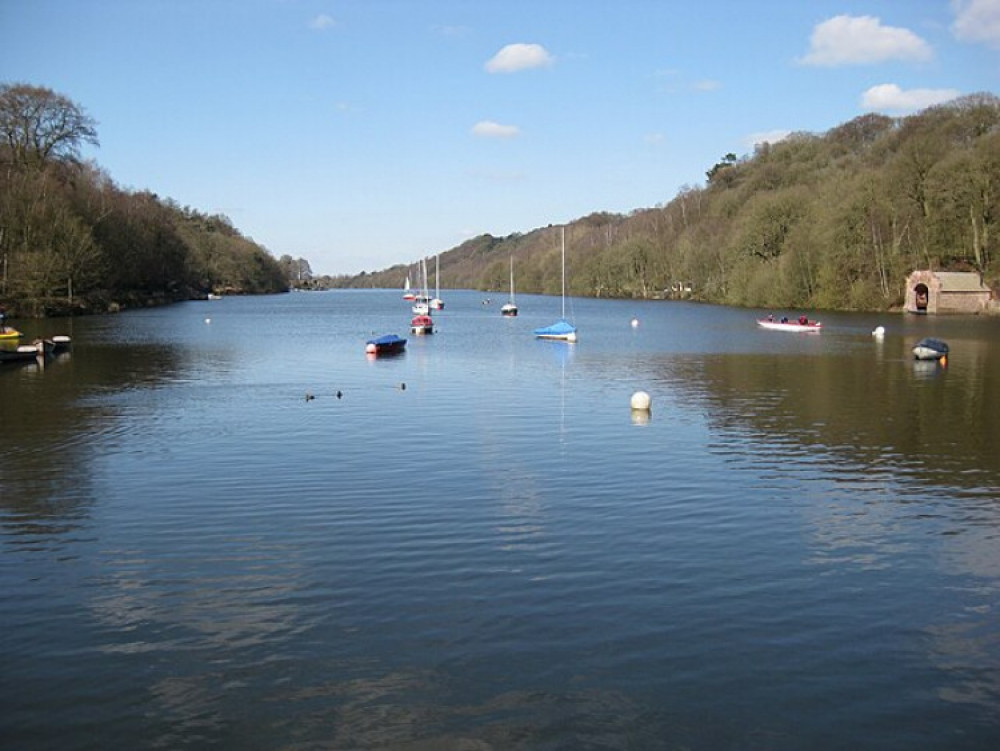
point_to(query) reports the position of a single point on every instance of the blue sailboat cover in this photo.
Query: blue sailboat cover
(560, 328)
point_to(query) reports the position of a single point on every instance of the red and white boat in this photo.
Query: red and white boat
(422, 325)
(802, 324)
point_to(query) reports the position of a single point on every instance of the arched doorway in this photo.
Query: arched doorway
(921, 294)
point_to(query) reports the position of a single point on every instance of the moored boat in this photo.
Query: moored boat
(9, 334)
(509, 308)
(422, 324)
(389, 344)
(561, 329)
(23, 353)
(558, 330)
(40, 349)
(930, 349)
(436, 302)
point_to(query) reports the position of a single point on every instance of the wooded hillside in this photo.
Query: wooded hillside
(832, 221)
(73, 241)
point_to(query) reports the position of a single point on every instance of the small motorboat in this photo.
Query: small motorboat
(422, 325)
(39, 350)
(390, 344)
(930, 349)
(23, 353)
(786, 325)
(9, 334)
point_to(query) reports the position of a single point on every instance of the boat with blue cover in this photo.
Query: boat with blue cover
(561, 329)
(389, 344)
(930, 349)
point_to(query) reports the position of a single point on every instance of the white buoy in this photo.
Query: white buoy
(208, 320)
(879, 332)
(635, 323)
(641, 401)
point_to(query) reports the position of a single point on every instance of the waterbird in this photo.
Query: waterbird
(339, 393)
(309, 397)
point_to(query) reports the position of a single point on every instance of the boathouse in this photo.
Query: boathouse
(946, 292)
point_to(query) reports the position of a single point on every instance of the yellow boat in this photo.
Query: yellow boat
(8, 334)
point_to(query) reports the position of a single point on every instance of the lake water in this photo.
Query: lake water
(479, 546)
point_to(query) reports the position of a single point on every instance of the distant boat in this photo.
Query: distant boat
(9, 334)
(389, 344)
(213, 296)
(561, 329)
(930, 349)
(422, 324)
(422, 302)
(436, 302)
(407, 292)
(808, 326)
(510, 308)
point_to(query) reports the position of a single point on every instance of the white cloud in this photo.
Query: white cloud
(322, 22)
(977, 21)
(452, 31)
(754, 140)
(515, 57)
(889, 97)
(490, 129)
(857, 40)
(707, 85)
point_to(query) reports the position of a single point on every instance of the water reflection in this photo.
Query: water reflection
(494, 557)
(54, 420)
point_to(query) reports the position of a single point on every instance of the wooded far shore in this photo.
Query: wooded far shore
(834, 221)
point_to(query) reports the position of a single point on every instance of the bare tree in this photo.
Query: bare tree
(40, 125)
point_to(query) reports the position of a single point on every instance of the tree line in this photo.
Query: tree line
(71, 240)
(834, 221)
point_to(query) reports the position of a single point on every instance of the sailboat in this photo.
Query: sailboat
(437, 303)
(422, 322)
(561, 329)
(421, 302)
(510, 308)
(407, 291)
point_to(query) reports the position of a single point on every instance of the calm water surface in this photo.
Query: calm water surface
(798, 549)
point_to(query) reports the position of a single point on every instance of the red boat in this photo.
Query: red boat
(422, 325)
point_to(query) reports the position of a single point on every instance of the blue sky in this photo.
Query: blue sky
(362, 133)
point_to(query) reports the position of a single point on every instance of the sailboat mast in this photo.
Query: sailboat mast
(563, 271)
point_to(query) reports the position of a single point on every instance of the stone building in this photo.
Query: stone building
(946, 292)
